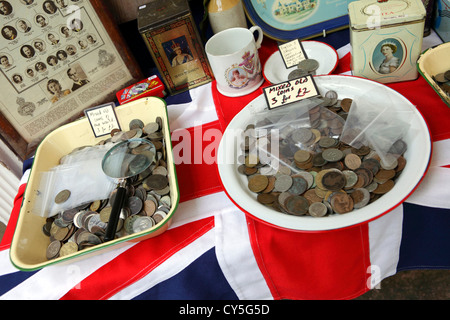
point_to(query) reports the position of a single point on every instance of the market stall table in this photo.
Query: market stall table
(214, 251)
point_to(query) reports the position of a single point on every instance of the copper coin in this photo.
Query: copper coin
(371, 164)
(311, 196)
(352, 161)
(302, 156)
(346, 104)
(270, 185)
(365, 175)
(341, 203)
(384, 175)
(258, 183)
(266, 198)
(149, 207)
(361, 198)
(384, 187)
(297, 205)
(333, 180)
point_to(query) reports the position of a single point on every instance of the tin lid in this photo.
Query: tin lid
(158, 12)
(366, 14)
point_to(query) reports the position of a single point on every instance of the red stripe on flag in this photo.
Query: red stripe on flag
(306, 265)
(132, 265)
(9, 232)
(195, 177)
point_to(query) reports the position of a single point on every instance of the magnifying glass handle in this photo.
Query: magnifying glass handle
(115, 214)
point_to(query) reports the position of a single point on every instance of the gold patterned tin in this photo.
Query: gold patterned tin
(386, 38)
(172, 38)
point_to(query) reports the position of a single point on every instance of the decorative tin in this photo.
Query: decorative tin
(152, 86)
(386, 38)
(172, 38)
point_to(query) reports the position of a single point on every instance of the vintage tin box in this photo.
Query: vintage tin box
(172, 38)
(152, 86)
(29, 244)
(386, 38)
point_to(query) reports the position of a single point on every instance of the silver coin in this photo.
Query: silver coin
(143, 223)
(302, 135)
(317, 209)
(297, 73)
(308, 65)
(53, 249)
(283, 183)
(62, 196)
(332, 155)
(136, 123)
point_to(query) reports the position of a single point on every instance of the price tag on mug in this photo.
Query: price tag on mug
(291, 91)
(292, 53)
(103, 119)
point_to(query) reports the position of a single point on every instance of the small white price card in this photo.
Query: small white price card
(103, 119)
(292, 53)
(291, 91)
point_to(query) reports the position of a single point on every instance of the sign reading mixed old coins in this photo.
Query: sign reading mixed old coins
(147, 202)
(316, 174)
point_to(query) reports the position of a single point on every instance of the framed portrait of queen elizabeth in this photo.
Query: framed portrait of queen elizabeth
(173, 41)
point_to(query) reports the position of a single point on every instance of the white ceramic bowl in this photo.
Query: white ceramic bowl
(275, 70)
(417, 155)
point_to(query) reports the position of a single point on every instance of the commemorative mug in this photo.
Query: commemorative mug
(233, 56)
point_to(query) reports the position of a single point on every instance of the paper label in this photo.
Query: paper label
(103, 119)
(291, 91)
(292, 53)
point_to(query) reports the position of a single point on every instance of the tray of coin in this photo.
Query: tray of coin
(330, 185)
(79, 232)
(434, 65)
(322, 60)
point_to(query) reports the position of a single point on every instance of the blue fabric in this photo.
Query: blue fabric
(11, 280)
(425, 239)
(201, 280)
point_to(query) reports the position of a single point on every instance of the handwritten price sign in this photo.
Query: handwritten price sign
(103, 119)
(292, 53)
(291, 91)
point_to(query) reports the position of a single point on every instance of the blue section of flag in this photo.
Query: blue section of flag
(425, 239)
(201, 280)
(11, 280)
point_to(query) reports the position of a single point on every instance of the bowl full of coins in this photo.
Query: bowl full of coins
(326, 163)
(434, 65)
(80, 183)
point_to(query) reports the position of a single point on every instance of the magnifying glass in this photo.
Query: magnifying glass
(124, 160)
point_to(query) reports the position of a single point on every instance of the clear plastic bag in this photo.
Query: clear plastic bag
(274, 136)
(77, 181)
(380, 127)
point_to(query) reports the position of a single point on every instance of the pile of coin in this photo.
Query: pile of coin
(316, 173)
(148, 200)
(304, 67)
(442, 79)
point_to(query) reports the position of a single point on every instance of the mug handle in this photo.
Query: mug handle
(260, 35)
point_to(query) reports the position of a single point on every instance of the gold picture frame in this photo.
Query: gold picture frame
(57, 58)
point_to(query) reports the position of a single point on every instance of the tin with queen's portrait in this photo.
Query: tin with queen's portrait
(386, 38)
